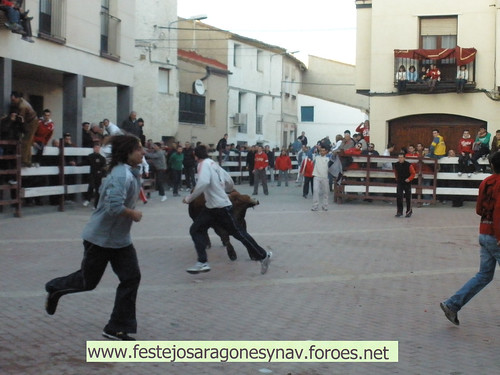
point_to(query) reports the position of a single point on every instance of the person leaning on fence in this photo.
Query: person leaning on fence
(404, 173)
(43, 134)
(27, 116)
(97, 164)
(488, 208)
(106, 239)
(465, 164)
(481, 147)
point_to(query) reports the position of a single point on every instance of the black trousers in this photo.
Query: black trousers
(403, 187)
(125, 265)
(223, 217)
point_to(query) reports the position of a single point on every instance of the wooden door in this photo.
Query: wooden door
(418, 129)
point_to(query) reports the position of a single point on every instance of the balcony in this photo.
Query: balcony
(110, 34)
(448, 60)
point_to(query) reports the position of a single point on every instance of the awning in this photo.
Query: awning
(462, 55)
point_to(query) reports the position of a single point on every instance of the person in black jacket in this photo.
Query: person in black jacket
(405, 173)
(251, 164)
(97, 164)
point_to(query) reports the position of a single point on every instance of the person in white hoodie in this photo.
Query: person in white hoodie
(214, 182)
(320, 182)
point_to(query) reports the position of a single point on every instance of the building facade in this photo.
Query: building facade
(261, 75)
(63, 64)
(447, 33)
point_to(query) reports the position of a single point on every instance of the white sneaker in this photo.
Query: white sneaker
(198, 267)
(469, 174)
(264, 263)
(85, 203)
(459, 173)
(163, 198)
(12, 182)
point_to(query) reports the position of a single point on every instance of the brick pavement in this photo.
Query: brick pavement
(352, 273)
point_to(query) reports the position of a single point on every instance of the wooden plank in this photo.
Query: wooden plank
(39, 171)
(79, 188)
(42, 191)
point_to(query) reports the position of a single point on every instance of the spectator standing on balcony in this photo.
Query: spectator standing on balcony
(481, 147)
(434, 76)
(465, 163)
(404, 173)
(401, 78)
(43, 134)
(260, 165)
(437, 148)
(462, 78)
(487, 206)
(106, 239)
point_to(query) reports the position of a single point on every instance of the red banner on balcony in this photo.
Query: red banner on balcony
(462, 55)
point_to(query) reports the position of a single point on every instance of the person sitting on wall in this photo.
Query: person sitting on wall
(462, 78)
(434, 75)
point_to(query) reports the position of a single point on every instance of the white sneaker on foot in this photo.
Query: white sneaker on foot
(198, 267)
(163, 198)
(264, 263)
(85, 203)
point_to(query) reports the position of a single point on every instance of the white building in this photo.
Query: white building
(320, 118)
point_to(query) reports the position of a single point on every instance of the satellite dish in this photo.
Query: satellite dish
(199, 87)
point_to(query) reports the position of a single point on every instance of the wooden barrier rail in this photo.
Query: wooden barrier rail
(440, 180)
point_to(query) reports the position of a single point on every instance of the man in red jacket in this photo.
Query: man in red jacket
(283, 164)
(488, 207)
(465, 163)
(43, 133)
(261, 163)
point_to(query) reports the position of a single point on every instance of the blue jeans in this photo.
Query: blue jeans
(489, 255)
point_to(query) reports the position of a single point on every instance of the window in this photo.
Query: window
(213, 112)
(163, 81)
(258, 125)
(191, 108)
(237, 55)
(110, 27)
(307, 114)
(52, 24)
(241, 98)
(260, 61)
(438, 32)
(258, 118)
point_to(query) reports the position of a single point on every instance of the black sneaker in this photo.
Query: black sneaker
(52, 300)
(450, 315)
(117, 335)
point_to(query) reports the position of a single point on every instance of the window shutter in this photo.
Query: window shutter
(438, 26)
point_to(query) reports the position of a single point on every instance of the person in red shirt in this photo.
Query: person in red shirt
(283, 164)
(364, 128)
(259, 170)
(434, 75)
(306, 170)
(44, 132)
(465, 145)
(488, 207)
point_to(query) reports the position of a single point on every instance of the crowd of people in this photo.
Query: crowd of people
(429, 76)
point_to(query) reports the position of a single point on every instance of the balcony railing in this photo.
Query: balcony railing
(53, 20)
(447, 61)
(110, 30)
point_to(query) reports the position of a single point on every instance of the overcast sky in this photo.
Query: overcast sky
(324, 28)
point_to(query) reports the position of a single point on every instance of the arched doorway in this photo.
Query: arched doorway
(415, 129)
